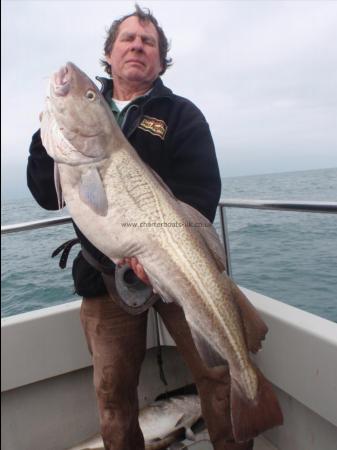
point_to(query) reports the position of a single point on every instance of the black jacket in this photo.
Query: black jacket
(171, 135)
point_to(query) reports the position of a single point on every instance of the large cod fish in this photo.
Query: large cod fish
(106, 185)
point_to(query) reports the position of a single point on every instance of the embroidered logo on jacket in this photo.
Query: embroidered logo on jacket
(154, 126)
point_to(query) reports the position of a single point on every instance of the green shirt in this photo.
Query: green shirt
(119, 115)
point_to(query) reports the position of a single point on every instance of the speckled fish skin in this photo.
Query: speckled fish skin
(105, 186)
(163, 421)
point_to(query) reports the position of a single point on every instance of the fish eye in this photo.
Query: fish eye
(90, 95)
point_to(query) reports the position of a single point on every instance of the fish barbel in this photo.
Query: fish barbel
(107, 187)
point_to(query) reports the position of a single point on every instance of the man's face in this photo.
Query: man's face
(135, 53)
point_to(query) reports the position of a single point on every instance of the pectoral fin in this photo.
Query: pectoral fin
(92, 192)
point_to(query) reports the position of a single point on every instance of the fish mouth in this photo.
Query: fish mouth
(61, 81)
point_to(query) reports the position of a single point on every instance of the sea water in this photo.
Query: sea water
(289, 256)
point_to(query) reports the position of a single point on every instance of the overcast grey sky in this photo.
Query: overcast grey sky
(264, 73)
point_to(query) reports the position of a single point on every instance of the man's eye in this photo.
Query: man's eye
(149, 42)
(127, 38)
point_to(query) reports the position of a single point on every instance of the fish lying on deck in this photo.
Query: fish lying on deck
(161, 422)
(106, 185)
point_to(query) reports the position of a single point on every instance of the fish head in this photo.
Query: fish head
(77, 124)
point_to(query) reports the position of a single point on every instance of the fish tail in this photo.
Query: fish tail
(252, 417)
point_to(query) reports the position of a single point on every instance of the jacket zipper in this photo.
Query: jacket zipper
(126, 116)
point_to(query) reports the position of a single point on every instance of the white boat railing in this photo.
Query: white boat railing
(270, 205)
(34, 225)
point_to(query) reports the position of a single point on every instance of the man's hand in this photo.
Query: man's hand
(136, 267)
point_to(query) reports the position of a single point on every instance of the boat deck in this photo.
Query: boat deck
(259, 444)
(202, 443)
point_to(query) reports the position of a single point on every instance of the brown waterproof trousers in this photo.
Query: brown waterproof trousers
(117, 342)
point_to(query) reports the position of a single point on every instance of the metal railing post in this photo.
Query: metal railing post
(225, 239)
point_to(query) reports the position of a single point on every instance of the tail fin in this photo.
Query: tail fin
(250, 418)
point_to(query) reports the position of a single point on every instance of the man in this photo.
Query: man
(172, 136)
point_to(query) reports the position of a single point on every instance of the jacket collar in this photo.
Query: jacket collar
(159, 89)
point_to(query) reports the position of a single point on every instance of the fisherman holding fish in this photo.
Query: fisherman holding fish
(170, 135)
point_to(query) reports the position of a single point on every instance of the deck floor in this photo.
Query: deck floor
(203, 443)
(259, 444)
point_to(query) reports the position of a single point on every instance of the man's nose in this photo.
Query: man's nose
(137, 44)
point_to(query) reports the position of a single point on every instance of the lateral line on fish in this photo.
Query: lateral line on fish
(136, 187)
